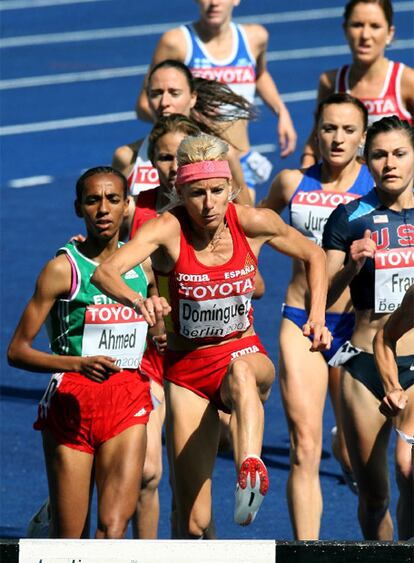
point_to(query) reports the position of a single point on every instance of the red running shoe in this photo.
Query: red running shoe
(252, 485)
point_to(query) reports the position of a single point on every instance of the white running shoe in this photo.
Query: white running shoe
(39, 524)
(252, 485)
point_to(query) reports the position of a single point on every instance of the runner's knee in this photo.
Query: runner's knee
(198, 523)
(241, 378)
(113, 526)
(306, 450)
(151, 474)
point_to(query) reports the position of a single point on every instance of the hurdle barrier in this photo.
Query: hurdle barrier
(190, 551)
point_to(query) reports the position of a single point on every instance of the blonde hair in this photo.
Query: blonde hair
(202, 147)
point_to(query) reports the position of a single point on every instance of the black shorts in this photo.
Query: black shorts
(362, 367)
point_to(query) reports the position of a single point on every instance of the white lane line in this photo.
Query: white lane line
(70, 123)
(87, 35)
(155, 29)
(23, 4)
(315, 14)
(328, 51)
(139, 70)
(70, 77)
(106, 118)
(265, 148)
(30, 181)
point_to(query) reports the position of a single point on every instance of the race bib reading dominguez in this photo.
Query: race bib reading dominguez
(116, 331)
(214, 317)
(394, 273)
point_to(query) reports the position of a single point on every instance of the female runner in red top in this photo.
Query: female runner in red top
(205, 254)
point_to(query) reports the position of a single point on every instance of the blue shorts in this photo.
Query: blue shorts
(341, 326)
(362, 367)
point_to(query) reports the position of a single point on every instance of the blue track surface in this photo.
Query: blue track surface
(31, 230)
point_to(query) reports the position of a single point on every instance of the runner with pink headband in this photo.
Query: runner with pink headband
(205, 264)
(202, 170)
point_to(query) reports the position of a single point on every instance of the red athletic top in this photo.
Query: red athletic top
(152, 362)
(388, 102)
(144, 210)
(210, 303)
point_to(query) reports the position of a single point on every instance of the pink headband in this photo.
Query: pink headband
(202, 171)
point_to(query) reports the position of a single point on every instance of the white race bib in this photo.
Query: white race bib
(214, 317)
(146, 178)
(344, 353)
(116, 331)
(310, 211)
(394, 273)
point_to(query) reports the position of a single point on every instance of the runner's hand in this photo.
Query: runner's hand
(362, 249)
(153, 308)
(98, 368)
(322, 337)
(160, 341)
(393, 402)
(286, 134)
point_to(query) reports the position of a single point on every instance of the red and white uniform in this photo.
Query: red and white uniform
(144, 209)
(238, 70)
(143, 176)
(210, 303)
(389, 101)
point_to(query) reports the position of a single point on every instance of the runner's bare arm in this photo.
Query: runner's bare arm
(268, 227)
(385, 341)
(267, 90)
(281, 190)
(124, 157)
(407, 89)
(160, 232)
(53, 282)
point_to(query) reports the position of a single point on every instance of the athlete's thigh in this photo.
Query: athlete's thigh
(156, 418)
(367, 433)
(263, 369)
(192, 426)
(153, 456)
(118, 470)
(303, 377)
(69, 474)
(404, 452)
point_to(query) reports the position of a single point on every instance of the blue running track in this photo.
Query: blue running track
(70, 73)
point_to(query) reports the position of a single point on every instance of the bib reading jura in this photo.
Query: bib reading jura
(89, 323)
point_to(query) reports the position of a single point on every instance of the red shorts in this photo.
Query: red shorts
(83, 414)
(152, 363)
(202, 371)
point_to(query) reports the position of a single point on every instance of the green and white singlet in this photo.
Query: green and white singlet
(89, 323)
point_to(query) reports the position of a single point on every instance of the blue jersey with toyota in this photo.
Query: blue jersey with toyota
(383, 280)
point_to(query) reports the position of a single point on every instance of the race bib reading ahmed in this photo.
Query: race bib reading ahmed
(116, 331)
